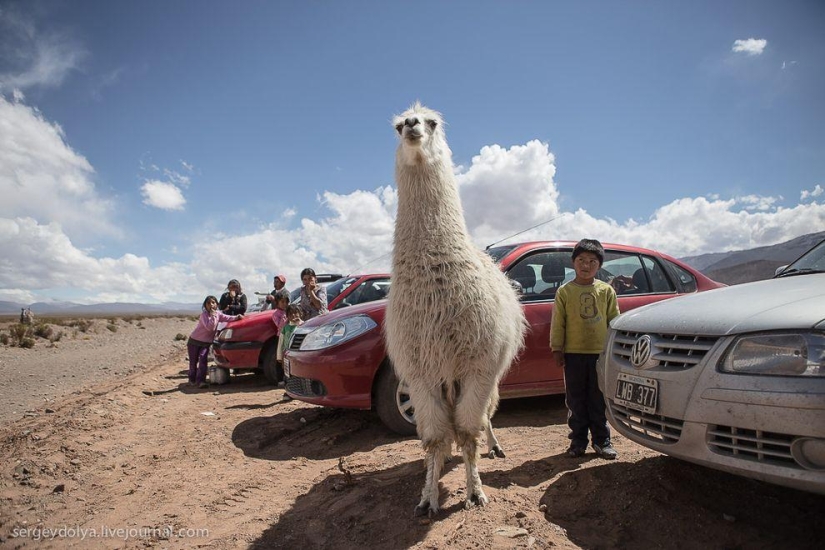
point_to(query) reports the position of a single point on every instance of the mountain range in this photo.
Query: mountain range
(735, 267)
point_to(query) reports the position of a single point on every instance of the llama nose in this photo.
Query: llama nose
(412, 121)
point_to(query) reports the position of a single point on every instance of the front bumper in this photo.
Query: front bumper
(340, 376)
(237, 355)
(767, 428)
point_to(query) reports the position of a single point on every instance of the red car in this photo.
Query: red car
(250, 343)
(339, 360)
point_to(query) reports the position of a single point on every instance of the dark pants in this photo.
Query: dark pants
(585, 402)
(197, 362)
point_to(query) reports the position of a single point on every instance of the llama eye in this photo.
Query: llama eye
(399, 128)
(432, 124)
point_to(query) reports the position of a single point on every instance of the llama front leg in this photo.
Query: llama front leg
(433, 424)
(471, 416)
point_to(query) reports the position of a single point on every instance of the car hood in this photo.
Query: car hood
(776, 304)
(374, 309)
(250, 319)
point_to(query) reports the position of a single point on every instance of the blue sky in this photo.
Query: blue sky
(150, 151)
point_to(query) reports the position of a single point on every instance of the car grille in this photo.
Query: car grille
(654, 427)
(755, 445)
(670, 350)
(296, 341)
(305, 387)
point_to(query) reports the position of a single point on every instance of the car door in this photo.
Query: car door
(638, 279)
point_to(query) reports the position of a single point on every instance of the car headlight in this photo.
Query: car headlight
(337, 332)
(225, 334)
(788, 354)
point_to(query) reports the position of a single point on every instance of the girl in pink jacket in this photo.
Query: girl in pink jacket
(202, 337)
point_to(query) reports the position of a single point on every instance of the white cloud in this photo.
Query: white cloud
(517, 184)
(41, 257)
(163, 195)
(354, 232)
(34, 58)
(751, 46)
(42, 177)
(815, 192)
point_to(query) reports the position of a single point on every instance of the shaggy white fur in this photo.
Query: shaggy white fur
(453, 323)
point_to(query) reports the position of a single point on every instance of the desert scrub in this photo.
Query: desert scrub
(20, 332)
(42, 330)
(4, 339)
(112, 327)
(27, 342)
(56, 336)
(179, 337)
(82, 325)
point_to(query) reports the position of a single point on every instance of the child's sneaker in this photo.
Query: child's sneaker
(605, 451)
(575, 452)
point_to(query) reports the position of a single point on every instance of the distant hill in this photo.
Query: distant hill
(755, 264)
(116, 308)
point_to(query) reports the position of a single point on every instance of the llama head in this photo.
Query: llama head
(421, 133)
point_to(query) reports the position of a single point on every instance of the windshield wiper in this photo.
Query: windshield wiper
(803, 271)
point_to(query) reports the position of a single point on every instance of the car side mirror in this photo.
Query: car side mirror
(779, 270)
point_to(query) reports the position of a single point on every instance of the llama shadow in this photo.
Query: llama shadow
(541, 411)
(316, 433)
(661, 502)
(331, 514)
(535, 472)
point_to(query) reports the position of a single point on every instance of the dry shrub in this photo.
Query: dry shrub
(42, 330)
(179, 337)
(112, 327)
(4, 339)
(27, 342)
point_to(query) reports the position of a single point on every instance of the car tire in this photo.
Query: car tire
(270, 366)
(392, 403)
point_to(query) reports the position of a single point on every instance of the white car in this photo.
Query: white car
(733, 378)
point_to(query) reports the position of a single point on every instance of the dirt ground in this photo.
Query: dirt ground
(128, 457)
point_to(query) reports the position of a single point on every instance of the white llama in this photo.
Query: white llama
(453, 323)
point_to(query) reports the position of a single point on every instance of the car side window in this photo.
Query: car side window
(684, 278)
(538, 276)
(659, 281)
(624, 272)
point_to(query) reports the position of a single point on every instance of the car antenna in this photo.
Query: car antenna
(525, 231)
(371, 261)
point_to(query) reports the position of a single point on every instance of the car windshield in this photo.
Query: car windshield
(339, 286)
(498, 252)
(813, 261)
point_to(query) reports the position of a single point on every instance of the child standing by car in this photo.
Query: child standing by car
(583, 310)
(202, 337)
(293, 314)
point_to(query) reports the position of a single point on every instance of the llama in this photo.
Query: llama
(453, 322)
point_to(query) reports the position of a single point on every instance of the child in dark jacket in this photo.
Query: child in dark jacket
(202, 337)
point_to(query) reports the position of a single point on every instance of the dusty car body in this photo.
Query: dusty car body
(339, 360)
(733, 379)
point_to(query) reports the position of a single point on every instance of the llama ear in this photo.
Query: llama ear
(432, 123)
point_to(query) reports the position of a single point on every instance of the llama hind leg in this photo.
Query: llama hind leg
(433, 424)
(494, 449)
(470, 418)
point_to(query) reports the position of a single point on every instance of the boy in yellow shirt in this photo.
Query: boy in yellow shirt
(581, 315)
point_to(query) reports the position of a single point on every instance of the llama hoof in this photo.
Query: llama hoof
(497, 451)
(476, 499)
(425, 510)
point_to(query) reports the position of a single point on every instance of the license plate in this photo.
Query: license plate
(286, 366)
(637, 392)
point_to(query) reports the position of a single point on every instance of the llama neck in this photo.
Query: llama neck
(429, 208)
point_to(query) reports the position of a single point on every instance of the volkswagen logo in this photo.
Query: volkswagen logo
(640, 352)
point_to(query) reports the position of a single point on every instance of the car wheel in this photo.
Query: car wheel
(393, 403)
(270, 365)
